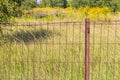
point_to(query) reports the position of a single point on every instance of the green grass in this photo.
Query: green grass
(56, 52)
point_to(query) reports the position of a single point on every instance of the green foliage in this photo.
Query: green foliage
(54, 3)
(9, 8)
(112, 4)
(28, 4)
(13, 8)
(6, 10)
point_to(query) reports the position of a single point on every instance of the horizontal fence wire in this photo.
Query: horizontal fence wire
(56, 50)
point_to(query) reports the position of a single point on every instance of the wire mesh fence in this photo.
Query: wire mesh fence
(43, 51)
(56, 51)
(105, 50)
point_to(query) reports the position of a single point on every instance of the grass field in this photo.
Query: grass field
(56, 51)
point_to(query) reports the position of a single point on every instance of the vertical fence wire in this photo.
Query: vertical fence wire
(107, 50)
(59, 58)
(101, 26)
(115, 31)
(40, 53)
(79, 53)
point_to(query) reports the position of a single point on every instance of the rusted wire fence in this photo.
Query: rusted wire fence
(56, 51)
(105, 50)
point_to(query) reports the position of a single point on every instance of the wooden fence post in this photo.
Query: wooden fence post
(87, 49)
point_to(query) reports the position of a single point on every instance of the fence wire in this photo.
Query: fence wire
(56, 51)
(105, 50)
(42, 51)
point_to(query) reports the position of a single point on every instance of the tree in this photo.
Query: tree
(54, 3)
(44, 3)
(112, 4)
(6, 10)
(12, 8)
(28, 4)
(64, 3)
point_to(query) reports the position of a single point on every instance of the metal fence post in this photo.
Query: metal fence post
(87, 49)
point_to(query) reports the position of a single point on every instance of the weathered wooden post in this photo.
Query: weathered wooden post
(87, 49)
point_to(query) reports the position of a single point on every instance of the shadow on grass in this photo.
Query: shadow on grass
(29, 36)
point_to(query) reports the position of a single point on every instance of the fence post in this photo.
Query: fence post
(87, 49)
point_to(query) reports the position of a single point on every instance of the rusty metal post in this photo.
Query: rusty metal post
(87, 49)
